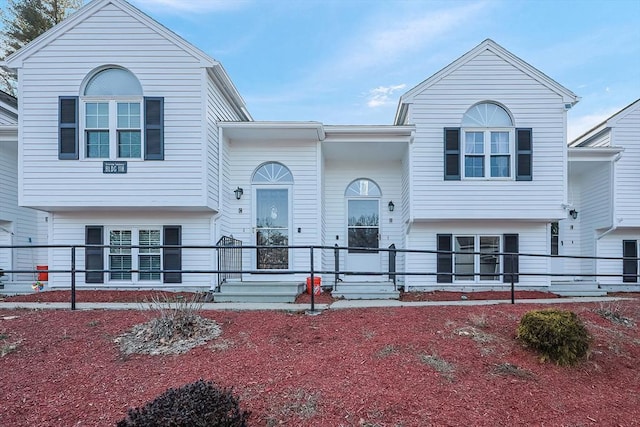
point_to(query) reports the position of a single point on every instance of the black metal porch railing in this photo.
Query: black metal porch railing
(231, 263)
(229, 259)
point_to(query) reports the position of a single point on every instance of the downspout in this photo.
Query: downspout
(614, 220)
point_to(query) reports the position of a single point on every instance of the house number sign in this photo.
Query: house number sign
(114, 167)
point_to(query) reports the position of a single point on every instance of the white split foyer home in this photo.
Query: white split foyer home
(129, 135)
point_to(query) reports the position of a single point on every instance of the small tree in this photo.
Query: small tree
(23, 21)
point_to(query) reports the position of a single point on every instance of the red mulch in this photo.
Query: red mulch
(480, 295)
(361, 367)
(101, 296)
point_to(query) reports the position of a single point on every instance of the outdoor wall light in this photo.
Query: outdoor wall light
(391, 206)
(573, 213)
(239, 192)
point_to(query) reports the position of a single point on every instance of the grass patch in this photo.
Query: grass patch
(387, 350)
(299, 403)
(9, 347)
(614, 312)
(444, 368)
(507, 369)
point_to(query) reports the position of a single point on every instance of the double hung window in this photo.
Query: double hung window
(488, 142)
(146, 260)
(112, 115)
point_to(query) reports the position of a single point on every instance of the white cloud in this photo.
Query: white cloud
(388, 40)
(381, 95)
(192, 6)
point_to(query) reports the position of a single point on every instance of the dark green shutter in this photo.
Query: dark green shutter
(444, 259)
(452, 154)
(510, 262)
(153, 128)
(172, 257)
(630, 261)
(524, 155)
(94, 257)
(68, 128)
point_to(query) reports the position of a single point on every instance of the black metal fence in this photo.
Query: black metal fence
(230, 254)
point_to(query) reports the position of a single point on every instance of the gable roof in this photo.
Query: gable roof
(568, 96)
(16, 59)
(586, 138)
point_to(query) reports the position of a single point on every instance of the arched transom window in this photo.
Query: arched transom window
(488, 142)
(363, 188)
(272, 173)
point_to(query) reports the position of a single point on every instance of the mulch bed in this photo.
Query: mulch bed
(439, 366)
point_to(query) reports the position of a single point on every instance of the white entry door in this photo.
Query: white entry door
(363, 231)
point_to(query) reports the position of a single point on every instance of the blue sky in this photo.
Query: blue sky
(348, 61)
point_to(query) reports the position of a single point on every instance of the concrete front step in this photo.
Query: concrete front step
(285, 292)
(577, 289)
(365, 290)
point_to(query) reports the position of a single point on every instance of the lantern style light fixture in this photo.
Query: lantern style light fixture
(391, 206)
(238, 192)
(573, 213)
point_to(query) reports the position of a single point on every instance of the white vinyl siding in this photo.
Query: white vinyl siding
(532, 105)
(111, 36)
(69, 229)
(19, 225)
(388, 176)
(301, 158)
(217, 110)
(626, 133)
(532, 239)
(611, 246)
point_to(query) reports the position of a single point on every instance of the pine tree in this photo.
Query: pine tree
(23, 21)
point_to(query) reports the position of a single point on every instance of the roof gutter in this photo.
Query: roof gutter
(614, 220)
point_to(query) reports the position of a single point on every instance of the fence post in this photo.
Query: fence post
(73, 277)
(336, 255)
(513, 284)
(313, 284)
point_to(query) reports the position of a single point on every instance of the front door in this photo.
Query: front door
(272, 228)
(363, 219)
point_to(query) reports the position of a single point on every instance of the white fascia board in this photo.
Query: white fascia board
(269, 130)
(370, 132)
(16, 59)
(586, 154)
(223, 81)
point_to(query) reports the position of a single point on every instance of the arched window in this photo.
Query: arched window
(488, 142)
(272, 173)
(113, 82)
(364, 188)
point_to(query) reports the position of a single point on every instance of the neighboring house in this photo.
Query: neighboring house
(19, 226)
(131, 136)
(604, 188)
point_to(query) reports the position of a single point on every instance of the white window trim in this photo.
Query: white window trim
(487, 154)
(476, 259)
(113, 126)
(135, 253)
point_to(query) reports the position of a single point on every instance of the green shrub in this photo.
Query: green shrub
(559, 335)
(199, 404)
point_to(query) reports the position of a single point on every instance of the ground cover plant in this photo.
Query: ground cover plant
(422, 366)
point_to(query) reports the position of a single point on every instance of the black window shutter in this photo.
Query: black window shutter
(452, 154)
(524, 155)
(444, 260)
(68, 128)
(172, 257)
(94, 257)
(630, 261)
(510, 262)
(153, 128)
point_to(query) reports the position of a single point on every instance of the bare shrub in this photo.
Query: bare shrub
(614, 312)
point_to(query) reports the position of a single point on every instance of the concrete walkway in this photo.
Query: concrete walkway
(337, 305)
